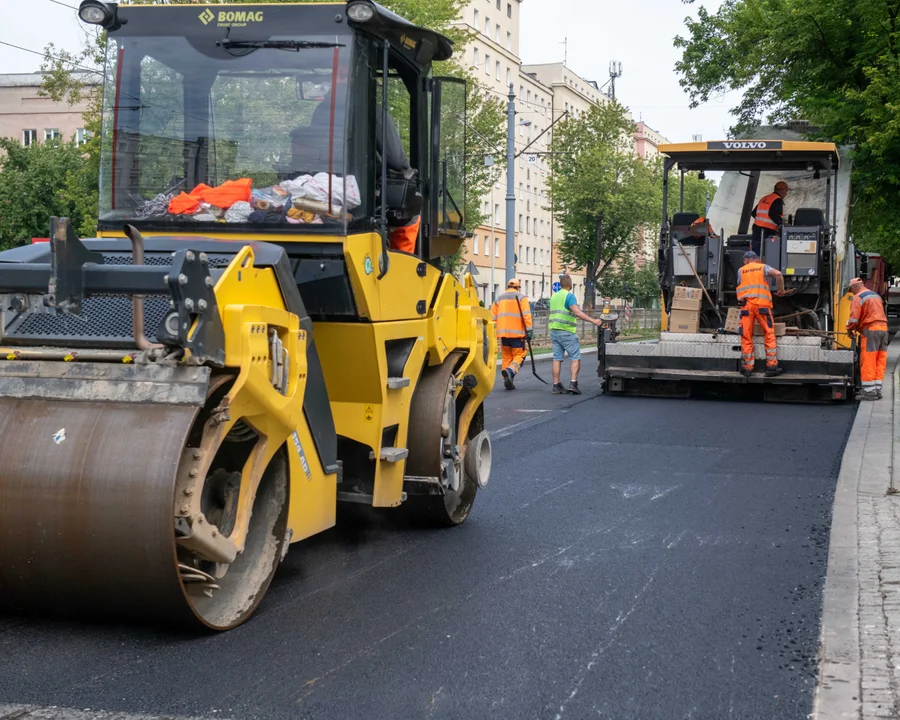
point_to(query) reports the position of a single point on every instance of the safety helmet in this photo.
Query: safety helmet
(514, 283)
(750, 255)
(781, 185)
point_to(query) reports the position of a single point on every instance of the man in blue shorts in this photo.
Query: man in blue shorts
(564, 334)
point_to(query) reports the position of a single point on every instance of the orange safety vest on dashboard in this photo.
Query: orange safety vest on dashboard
(753, 285)
(762, 212)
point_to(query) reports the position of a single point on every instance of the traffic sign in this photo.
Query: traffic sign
(531, 159)
(557, 287)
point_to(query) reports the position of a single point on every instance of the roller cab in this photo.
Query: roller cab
(263, 329)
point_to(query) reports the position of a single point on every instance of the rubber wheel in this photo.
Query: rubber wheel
(433, 432)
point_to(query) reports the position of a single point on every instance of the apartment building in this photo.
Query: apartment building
(30, 118)
(647, 141)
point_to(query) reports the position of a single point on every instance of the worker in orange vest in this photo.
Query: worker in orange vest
(768, 217)
(512, 313)
(700, 226)
(867, 319)
(755, 300)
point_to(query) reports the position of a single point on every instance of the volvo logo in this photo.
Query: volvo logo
(745, 145)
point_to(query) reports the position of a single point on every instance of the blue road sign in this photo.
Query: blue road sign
(557, 287)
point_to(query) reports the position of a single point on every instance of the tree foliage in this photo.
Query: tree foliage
(834, 63)
(602, 193)
(38, 181)
(626, 280)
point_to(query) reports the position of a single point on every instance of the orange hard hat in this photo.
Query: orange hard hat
(514, 283)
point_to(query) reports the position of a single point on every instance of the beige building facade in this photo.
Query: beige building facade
(28, 117)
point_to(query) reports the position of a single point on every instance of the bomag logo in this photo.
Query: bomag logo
(231, 18)
(745, 145)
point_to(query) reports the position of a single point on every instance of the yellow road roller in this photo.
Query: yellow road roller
(262, 329)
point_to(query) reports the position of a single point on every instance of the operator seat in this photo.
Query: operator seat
(809, 217)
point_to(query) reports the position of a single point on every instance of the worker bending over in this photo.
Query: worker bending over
(701, 226)
(512, 313)
(867, 319)
(768, 216)
(755, 300)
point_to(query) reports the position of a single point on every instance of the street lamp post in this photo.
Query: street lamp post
(510, 185)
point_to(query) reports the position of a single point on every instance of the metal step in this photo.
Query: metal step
(397, 383)
(390, 454)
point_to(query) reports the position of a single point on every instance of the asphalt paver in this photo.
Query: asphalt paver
(631, 558)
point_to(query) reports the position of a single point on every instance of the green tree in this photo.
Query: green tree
(834, 63)
(53, 178)
(602, 193)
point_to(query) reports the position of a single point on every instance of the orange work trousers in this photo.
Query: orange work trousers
(751, 313)
(873, 349)
(512, 351)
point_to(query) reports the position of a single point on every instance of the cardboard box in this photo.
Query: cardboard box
(688, 293)
(780, 329)
(689, 304)
(684, 321)
(733, 321)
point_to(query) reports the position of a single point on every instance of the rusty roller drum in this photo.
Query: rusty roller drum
(86, 521)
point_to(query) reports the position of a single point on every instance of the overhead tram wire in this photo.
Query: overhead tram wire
(71, 7)
(53, 57)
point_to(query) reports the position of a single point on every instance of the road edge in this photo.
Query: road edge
(839, 688)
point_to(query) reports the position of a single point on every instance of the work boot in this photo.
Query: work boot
(508, 376)
(867, 396)
(573, 388)
(774, 371)
(878, 393)
(746, 372)
(558, 389)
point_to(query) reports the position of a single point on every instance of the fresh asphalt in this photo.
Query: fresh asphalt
(631, 558)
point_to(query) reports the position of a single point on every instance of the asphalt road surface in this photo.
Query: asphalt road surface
(632, 558)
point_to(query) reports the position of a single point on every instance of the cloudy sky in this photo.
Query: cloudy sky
(637, 33)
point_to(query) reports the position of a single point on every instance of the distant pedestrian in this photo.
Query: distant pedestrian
(512, 313)
(867, 319)
(564, 334)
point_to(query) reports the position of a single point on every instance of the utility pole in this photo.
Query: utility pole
(615, 71)
(565, 44)
(511, 185)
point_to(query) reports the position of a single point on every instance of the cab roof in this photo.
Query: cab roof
(759, 155)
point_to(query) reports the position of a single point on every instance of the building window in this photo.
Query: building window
(486, 209)
(475, 60)
(51, 134)
(508, 9)
(520, 229)
(499, 4)
(496, 249)
(496, 214)
(509, 41)
(487, 27)
(487, 64)
(475, 23)
(475, 245)
(528, 225)
(508, 77)
(521, 193)
(497, 34)
(527, 255)
(529, 97)
(82, 136)
(29, 137)
(542, 252)
(487, 245)
(497, 70)
(519, 255)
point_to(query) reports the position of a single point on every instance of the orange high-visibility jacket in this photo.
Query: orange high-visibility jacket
(701, 224)
(866, 310)
(753, 284)
(762, 212)
(507, 316)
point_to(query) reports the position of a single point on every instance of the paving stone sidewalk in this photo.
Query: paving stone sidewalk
(859, 665)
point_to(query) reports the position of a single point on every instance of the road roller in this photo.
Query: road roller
(265, 327)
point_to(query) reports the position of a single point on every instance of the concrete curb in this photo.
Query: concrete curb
(866, 470)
